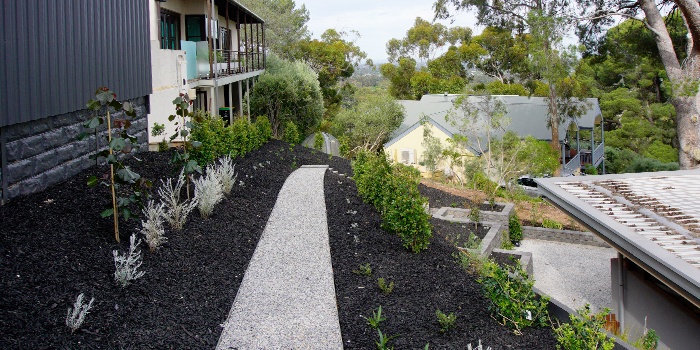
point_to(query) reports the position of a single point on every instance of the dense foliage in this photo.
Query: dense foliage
(287, 92)
(367, 124)
(234, 140)
(393, 190)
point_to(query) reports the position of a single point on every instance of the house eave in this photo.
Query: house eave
(675, 273)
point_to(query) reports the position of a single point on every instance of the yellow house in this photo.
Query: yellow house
(528, 116)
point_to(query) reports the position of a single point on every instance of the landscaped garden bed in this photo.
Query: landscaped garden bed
(423, 283)
(54, 245)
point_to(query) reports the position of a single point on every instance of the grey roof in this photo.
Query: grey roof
(528, 115)
(651, 218)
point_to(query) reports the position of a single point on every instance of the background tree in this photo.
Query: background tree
(546, 24)
(334, 59)
(445, 73)
(368, 124)
(497, 53)
(683, 74)
(287, 92)
(285, 24)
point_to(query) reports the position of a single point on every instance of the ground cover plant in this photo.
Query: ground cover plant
(52, 252)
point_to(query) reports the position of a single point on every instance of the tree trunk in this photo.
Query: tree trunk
(554, 119)
(685, 97)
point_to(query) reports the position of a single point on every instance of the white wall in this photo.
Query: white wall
(169, 68)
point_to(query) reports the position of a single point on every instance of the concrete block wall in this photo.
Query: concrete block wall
(44, 152)
(485, 215)
(566, 236)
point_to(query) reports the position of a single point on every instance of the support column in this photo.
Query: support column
(247, 97)
(240, 99)
(230, 103)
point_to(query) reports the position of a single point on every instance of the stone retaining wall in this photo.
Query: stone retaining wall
(44, 152)
(502, 217)
(566, 236)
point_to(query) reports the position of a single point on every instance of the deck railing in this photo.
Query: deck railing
(227, 62)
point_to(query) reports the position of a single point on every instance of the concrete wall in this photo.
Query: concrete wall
(673, 322)
(44, 152)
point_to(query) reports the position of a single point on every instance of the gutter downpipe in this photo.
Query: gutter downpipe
(621, 291)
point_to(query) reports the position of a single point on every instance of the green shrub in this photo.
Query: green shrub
(513, 301)
(209, 131)
(586, 333)
(446, 321)
(547, 223)
(236, 139)
(318, 141)
(515, 231)
(370, 170)
(403, 208)
(262, 124)
(291, 133)
(393, 190)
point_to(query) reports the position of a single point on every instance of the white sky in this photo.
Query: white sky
(377, 21)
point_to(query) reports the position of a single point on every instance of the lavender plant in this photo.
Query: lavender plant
(76, 316)
(120, 175)
(152, 227)
(127, 265)
(175, 212)
(208, 191)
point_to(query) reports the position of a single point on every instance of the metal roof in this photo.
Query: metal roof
(651, 218)
(528, 115)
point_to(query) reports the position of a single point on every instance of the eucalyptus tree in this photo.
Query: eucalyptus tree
(546, 23)
(285, 24)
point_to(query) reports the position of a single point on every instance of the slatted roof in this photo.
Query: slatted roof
(652, 218)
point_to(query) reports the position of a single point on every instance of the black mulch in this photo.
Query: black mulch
(54, 245)
(504, 259)
(439, 199)
(424, 283)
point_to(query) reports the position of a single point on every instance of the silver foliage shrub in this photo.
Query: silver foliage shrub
(208, 191)
(480, 347)
(127, 265)
(226, 172)
(76, 316)
(175, 211)
(152, 227)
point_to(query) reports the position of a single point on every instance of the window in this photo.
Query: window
(224, 41)
(408, 156)
(195, 28)
(169, 30)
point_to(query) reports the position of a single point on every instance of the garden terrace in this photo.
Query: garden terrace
(54, 246)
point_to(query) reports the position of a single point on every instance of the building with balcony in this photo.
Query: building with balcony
(209, 49)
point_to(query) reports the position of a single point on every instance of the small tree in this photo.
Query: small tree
(479, 123)
(183, 125)
(118, 141)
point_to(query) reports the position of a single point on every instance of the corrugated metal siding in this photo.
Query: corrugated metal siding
(56, 53)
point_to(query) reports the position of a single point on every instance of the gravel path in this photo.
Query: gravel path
(287, 297)
(571, 273)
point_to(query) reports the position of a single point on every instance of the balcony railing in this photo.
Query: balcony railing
(227, 62)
